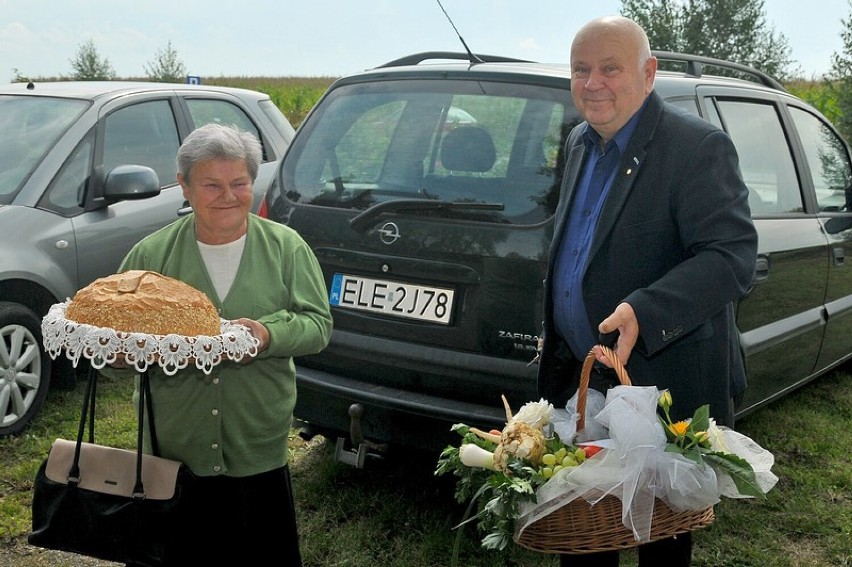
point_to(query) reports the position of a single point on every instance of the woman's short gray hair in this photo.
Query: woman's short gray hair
(218, 141)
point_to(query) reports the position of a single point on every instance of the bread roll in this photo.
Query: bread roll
(139, 301)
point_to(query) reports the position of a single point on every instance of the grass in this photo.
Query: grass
(293, 95)
(396, 513)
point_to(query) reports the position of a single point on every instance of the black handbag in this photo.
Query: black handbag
(114, 504)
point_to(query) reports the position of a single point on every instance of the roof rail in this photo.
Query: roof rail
(416, 58)
(695, 63)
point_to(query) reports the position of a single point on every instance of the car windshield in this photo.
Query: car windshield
(460, 142)
(31, 125)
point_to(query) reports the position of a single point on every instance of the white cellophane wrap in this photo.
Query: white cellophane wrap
(102, 346)
(564, 421)
(729, 441)
(635, 467)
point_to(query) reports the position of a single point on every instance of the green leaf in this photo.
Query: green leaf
(674, 448)
(694, 454)
(701, 419)
(739, 470)
(495, 541)
(522, 486)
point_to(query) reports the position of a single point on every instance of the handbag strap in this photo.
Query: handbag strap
(149, 405)
(144, 397)
(88, 411)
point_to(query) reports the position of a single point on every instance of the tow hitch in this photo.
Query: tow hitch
(357, 452)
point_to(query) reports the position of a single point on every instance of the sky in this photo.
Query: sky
(330, 38)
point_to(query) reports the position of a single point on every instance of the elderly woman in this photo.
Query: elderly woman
(231, 427)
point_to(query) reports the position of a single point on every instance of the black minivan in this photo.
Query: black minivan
(427, 188)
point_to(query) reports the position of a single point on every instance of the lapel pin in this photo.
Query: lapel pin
(629, 170)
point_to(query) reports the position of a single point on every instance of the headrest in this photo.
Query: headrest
(469, 149)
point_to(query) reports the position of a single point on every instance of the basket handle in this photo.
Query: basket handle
(585, 373)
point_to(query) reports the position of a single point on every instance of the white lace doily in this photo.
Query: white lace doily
(102, 345)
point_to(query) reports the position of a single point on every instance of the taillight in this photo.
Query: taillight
(261, 211)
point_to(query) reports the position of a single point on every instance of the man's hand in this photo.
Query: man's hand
(623, 320)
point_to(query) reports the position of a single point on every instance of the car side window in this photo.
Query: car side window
(67, 192)
(689, 104)
(766, 162)
(143, 134)
(204, 111)
(827, 160)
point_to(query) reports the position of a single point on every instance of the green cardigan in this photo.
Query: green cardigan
(235, 421)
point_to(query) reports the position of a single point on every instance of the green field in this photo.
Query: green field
(293, 95)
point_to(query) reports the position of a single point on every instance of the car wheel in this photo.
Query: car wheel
(24, 368)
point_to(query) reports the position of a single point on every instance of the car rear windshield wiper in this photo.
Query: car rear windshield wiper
(366, 219)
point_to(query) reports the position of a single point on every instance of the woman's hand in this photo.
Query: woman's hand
(258, 331)
(120, 362)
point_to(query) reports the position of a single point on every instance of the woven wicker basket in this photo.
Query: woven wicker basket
(579, 527)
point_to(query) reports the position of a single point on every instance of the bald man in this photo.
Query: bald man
(653, 241)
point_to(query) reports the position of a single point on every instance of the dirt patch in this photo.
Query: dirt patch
(18, 553)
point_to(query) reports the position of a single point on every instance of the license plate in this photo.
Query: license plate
(397, 299)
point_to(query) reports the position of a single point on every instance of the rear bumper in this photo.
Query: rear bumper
(391, 416)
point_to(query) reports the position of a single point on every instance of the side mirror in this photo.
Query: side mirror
(130, 182)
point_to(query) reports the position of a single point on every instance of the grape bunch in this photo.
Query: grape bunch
(564, 457)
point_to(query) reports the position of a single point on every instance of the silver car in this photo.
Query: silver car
(86, 170)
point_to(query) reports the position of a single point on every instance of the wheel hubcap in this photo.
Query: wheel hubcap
(20, 372)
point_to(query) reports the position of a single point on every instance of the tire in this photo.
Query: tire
(24, 368)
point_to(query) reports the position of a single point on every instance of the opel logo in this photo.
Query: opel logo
(389, 233)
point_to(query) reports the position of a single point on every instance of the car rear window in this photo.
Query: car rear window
(454, 141)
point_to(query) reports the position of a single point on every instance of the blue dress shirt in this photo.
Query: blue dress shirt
(570, 316)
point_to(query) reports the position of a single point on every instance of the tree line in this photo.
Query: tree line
(88, 65)
(737, 30)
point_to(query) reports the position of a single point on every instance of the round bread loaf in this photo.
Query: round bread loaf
(139, 301)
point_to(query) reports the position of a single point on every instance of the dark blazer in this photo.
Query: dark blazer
(675, 240)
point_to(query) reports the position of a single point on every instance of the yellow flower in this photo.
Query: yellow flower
(665, 400)
(679, 428)
(701, 437)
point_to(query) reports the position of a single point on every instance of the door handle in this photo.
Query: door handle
(761, 269)
(839, 256)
